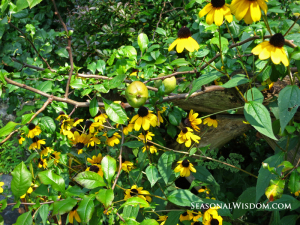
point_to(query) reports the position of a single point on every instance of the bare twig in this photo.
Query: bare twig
(9, 136)
(41, 109)
(159, 20)
(291, 26)
(68, 48)
(75, 107)
(170, 75)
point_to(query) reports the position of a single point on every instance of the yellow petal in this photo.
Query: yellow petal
(275, 55)
(205, 10)
(138, 123)
(263, 5)
(173, 45)
(210, 17)
(284, 58)
(255, 11)
(248, 17)
(242, 10)
(265, 53)
(258, 49)
(180, 45)
(218, 17)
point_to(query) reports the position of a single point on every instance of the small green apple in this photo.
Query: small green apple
(169, 83)
(136, 94)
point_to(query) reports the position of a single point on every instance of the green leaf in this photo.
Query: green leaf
(24, 219)
(130, 211)
(143, 42)
(134, 201)
(33, 3)
(287, 200)
(76, 83)
(26, 118)
(202, 174)
(105, 196)
(259, 117)
(64, 206)
(264, 176)
(134, 144)
(9, 127)
(175, 116)
(25, 109)
(235, 81)
(165, 165)
(248, 196)
(94, 108)
(48, 123)
(3, 203)
(291, 220)
(171, 130)
(152, 174)
(179, 62)
(173, 217)
(296, 54)
(288, 103)
(160, 59)
(21, 180)
(275, 190)
(149, 222)
(115, 112)
(92, 67)
(62, 53)
(45, 86)
(254, 94)
(44, 211)
(101, 66)
(183, 198)
(161, 31)
(21, 4)
(2, 73)
(86, 208)
(109, 166)
(89, 180)
(294, 182)
(286, 166)
(48, 177)
(116, 81)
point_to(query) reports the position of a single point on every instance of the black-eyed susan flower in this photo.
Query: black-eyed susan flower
(185, 216)
(93, 126)
(149, 147)
(94, 140)
(113, 139)
(211, 121)
(80, 140)
(250, 10)
(95, 159)
(211, 216)
(1, 189)
(56, 156)
(36, 143)
(20, 139)
(42, 163)
(95, 168)
(34, 130)
(204, 189)
(127, 166)
(193, 121)
(195, 215)
(62, 116)
(273, 48)
(216, 11)
(184, 41)
(128, 128)
(70, 133)
(66, 126)
(135, 73)
(100, 117)
(77, 121)
(159, 112)
(185, 168)
(45, 150)
(144, 119)
(148, 136)
(186, 136)
(74, 214)
(139, 192)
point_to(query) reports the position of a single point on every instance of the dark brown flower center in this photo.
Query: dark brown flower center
(149, 144)
(43, 147)
(31, 126)
(187, 122)
(61, 113)
(184, 130)
(213, 117)
(277, 40)
(204, 208)
(79, 145)
(35, 139)
(184, 214)
(40, 161)
(73, 129)
(94, 168)
(88, 123)
(143, 111)
(134, 192)
(214, 222)
(197, 223)
(218, 3)
(195, 213)
(76, 119)
(19, 136)
(185, 163)
(184, 32)
(75, 207)
(53, 155)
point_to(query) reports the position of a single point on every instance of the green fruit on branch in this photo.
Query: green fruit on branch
(136, 94)
(169, 83)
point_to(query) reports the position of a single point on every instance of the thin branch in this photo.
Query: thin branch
(159, 20)
(41, 109)
(75, 107)
(25, 36)
(291, 26)
(9, 136)
(170, 75)
(68, 48)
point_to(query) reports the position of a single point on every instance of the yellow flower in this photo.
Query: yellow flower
(186, 136)
(296, 193)
(135, 73)
(195, 215)
(34, 130)
(92, 125)
(269, 83)
(211, 121)
(113, 139)
(77, 121)
(250, 10)
(95, 159)
(1, 189)
(62, 116)
(137, 191)
(29, 191)
(185, 168)
(150, 147)
(144, 119)
(42, 163)
(216, 11)
(45, 150)
(160, 119)
(127, 166)
(56, 156)
(95, 168)
(211, 216)
(184, 41)
(163, 218)
(192, 121)
(100, 117)
(36, 143)
(128, 129)
(185, 216)
(204, 189)
(273, 48)
(66, 126)
(148, 136)
(21, 139)
(73, 214)
(94, 140)
(80, 140)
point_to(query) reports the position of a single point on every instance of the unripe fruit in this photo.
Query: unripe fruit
(169, 83)
(136, 94)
